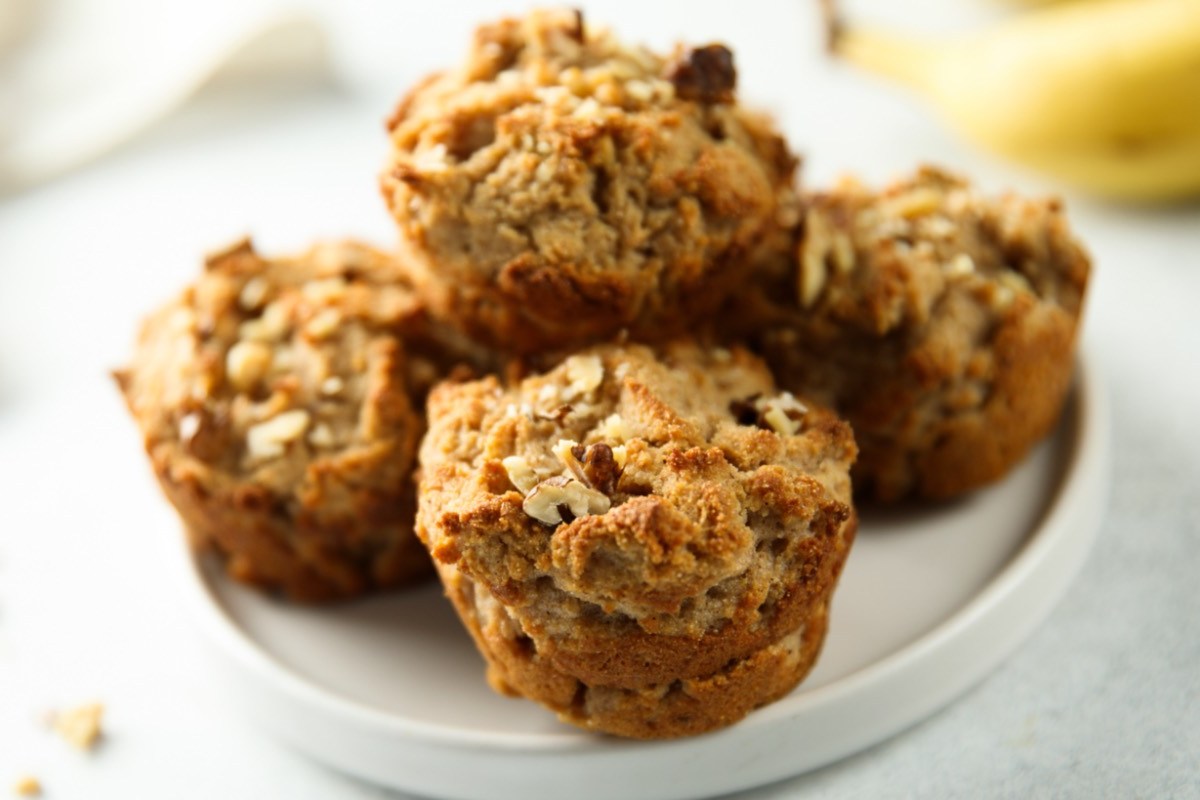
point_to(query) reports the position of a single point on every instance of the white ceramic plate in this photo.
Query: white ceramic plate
(391, 689)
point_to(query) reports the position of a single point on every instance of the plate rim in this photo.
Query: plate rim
(1086, 472)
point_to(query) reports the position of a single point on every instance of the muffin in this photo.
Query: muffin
(644, 542)
(940, 324)
(559, 186)
(280, 402)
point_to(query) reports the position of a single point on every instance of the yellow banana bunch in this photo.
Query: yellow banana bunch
(1104, 95)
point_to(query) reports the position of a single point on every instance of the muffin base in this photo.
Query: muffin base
(686, 706)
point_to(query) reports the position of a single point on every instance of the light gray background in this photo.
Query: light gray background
(1102, 701)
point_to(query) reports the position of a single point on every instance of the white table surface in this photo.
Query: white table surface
(1102, 701)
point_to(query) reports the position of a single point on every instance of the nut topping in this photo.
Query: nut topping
(325, 290)
(614, 428)
(520, 473)
(704, 74)
(818, 244)
(321, 436)
(576, 30)
(961, 264)
(246, 363)
(203, 434)
(782, 413)
(270, 327)
(585, 373)
(914, 203)
(599, 467)
(332, 385)
(557, 415)
(570, 452)
(779, 420)
(253, 293)
(323, 324)
(268, 439)
(562, 499)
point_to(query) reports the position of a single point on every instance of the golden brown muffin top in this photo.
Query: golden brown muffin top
(262, 368)
(667, 488)
(883, 261)
(582, 180)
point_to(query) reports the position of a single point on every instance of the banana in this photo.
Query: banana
(1104, 95)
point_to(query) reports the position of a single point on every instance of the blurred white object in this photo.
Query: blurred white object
(79, 78)
(14, 21)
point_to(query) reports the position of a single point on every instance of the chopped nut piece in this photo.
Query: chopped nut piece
(569, 452)
(600, 468)
(556, 415)
(269, 327)
(778, 419)
(585, 373)
(961, 264)
(819, 241)
(782, 413)
(620, 456)
(253, 293)
(639, 90)
(562, 499)
(246, 363)
(588, 109)
(614, 429)
(27, 786)
(325, 290)
(515, 410)
(596, 465)
(915, 203)
(520, 473)
(1015, 281)
(80, 726)
(321, 436)
(284, 359)
(324, 323)
(576, 31)
(788, 402)
(705, 74)
(940, 227)
(267, 439)
(332, 385)
(203, 433)
(812, 277)
(189, 426)
(895, 228)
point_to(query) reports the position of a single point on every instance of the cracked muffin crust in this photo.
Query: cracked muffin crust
(644, 542)
(940, 323)
(280, 405)
(558, 186)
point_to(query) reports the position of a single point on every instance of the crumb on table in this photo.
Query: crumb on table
(27, 786)
(80, 726)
